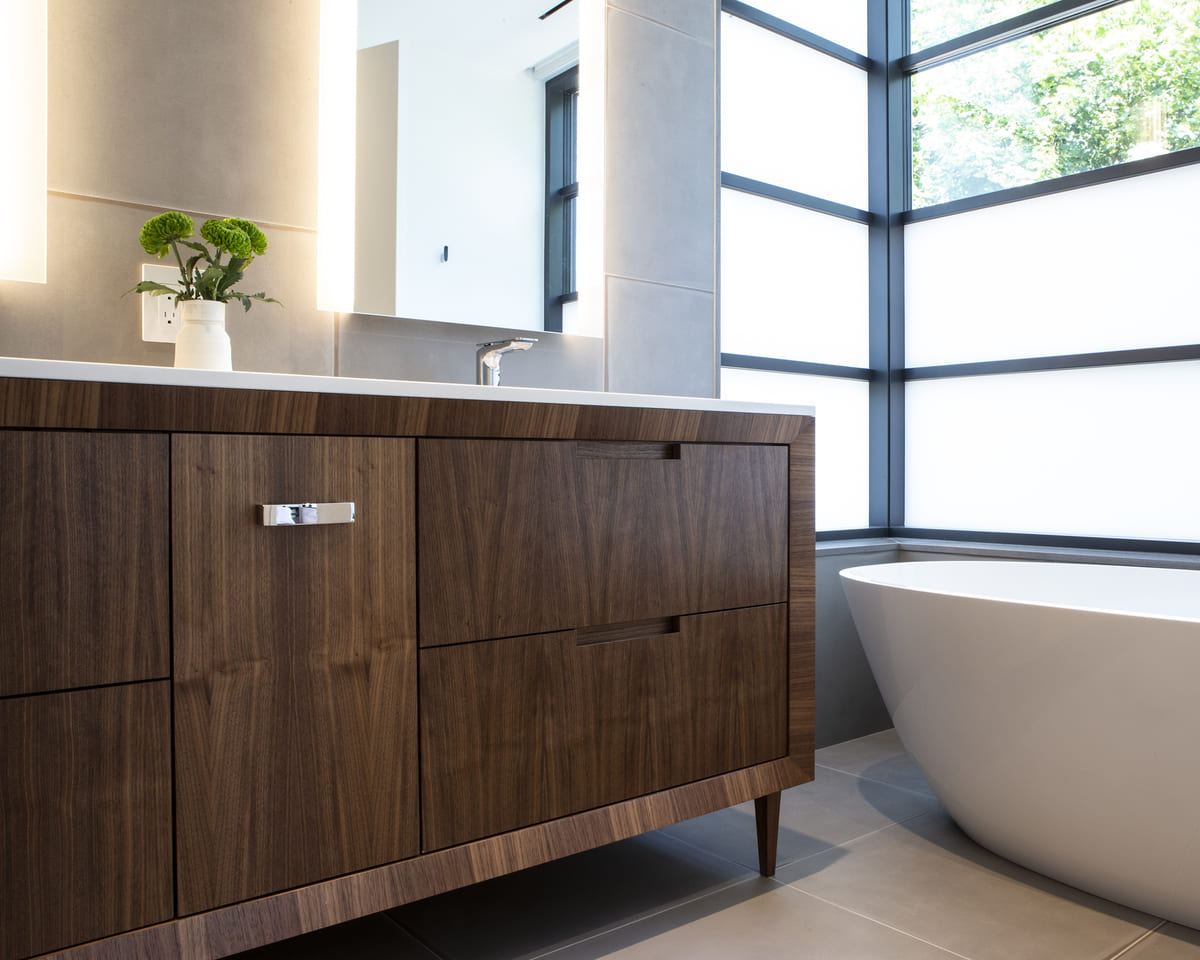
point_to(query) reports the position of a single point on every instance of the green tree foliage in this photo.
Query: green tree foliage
(1104, 89)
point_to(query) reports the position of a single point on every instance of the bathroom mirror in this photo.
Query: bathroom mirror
(451, 171)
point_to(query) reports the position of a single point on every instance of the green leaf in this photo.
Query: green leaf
(232, 276)
(151, 287)
(245, 298)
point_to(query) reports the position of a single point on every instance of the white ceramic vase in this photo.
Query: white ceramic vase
(203, 343)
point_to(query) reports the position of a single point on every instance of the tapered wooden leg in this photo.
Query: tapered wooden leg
(766, 820)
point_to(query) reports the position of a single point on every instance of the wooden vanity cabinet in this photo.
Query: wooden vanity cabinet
(640, 591)
(523, 537)
(550, 627)
(85, 763)
(527, 729)
(295, 664)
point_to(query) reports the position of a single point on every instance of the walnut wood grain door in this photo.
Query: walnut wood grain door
(522, 537)
(521, 730)
(85, 815)
(295, 664)
(84, 541)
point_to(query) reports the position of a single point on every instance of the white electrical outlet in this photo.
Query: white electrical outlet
(160, 320)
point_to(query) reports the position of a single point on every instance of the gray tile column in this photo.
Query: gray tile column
(661, 191)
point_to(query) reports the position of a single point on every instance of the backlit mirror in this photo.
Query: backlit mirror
(466, 161)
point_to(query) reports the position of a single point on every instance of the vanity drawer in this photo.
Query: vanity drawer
(84, 549)
(85, 827)
(525, 729)
(521, 537)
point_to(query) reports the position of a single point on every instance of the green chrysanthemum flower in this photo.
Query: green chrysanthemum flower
(159, 232)
(258, 239)
(223, 235)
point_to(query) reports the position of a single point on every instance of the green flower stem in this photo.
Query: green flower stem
(187, 281)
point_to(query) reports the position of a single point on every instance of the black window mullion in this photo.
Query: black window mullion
(807, 201)
(993, 35)
(898, 163)
(1070, 361)
(562, 188)
(1042, 188)
(805, 367)
(888, 121)
(760, 18)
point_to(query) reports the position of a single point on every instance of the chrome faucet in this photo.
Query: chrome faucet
(487, 357)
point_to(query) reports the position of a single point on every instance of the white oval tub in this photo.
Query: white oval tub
(1054, 709)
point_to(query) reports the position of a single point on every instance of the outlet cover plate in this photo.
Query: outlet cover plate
(160, 319)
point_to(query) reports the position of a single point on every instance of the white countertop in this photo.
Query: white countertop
(247, 380)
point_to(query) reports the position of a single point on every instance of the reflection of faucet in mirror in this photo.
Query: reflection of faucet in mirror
(487, 357)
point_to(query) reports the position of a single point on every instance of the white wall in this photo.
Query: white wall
(469, 154)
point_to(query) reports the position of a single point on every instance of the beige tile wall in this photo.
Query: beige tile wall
(164, 105)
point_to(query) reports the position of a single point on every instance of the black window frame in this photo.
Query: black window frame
(562, 189)
(889, 65)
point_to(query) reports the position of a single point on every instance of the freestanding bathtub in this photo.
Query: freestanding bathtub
(1055, 710)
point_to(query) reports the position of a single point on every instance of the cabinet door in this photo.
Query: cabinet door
(522, 537)
(85, 815)
(295, 664)
(522, 730)
(84, 554)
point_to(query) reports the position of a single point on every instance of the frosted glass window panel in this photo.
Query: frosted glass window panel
(793, 282)
(842, 21)
(1108, 267)
(842, 448)
(1099, 452)
(791, 116)
(1115, 86)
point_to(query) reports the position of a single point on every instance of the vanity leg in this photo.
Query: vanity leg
(766, 820)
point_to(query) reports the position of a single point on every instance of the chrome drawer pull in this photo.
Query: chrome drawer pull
(304, 514)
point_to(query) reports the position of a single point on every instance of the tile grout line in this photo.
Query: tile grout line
(658, 23)
(832, 846)
(1124, 951)
(846, 843)
(886, 783)
(652, 915)
(413, 935)
(880, 923)
(720, 856)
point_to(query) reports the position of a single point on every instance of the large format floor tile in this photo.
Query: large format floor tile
(834, 809)
(757, 918)
(930, 880)
(1169, 942)
(534, 911)
(879, 757)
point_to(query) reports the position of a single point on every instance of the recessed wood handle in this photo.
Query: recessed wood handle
(633, 630)
(620, 450)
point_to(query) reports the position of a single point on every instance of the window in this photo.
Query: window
(1119, 85)
(1050, 340)
(974, 255)
(795, 229)
(562, 191)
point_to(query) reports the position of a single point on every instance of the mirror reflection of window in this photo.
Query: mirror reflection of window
(452, 163)
(562, 191)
